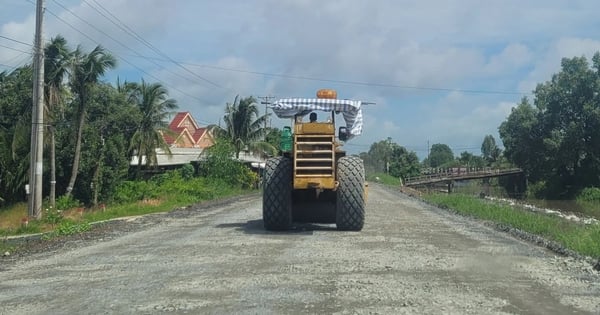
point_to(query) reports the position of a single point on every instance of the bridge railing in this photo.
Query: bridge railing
(457, 172)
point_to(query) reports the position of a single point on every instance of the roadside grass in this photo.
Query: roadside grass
(583, 239)
(590, 208)
(166, 196)
(384, 178)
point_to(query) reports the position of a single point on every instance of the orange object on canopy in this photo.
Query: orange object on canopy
(327, 93)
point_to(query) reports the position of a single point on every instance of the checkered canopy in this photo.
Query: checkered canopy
(290, 107)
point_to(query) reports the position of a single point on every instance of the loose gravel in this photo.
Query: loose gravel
(410, 258)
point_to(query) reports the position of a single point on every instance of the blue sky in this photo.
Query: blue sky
(444, 71)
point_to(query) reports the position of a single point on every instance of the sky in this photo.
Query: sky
(443, 71)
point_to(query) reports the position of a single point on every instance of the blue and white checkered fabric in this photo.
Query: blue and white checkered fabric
(290, 107)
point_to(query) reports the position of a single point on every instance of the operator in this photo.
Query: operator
(313, 117)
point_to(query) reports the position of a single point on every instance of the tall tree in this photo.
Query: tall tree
(57, 62)
(244, 128)
(403, 163)
(469, 160)
(557, 141)
(155, 107)
(489, 149)
(389, 157)
(440, 154)
(15, 129)
(86, 71)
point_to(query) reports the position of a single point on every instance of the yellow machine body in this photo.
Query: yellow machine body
(314, 155)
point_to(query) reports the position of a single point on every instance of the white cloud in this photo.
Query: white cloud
(454, 45)
(548, 62)
(512, 57)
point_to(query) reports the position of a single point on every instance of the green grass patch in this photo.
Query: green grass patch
(384, 178)
(583, 239)
(162, 193)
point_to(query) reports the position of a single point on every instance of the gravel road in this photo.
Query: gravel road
(410, 258)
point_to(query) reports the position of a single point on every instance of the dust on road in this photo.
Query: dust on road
(410, 258)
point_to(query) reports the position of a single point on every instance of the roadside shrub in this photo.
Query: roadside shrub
(589, 194)
(66, 202)
(129, 191)
(187, 171)
(68, 227)
(53, 215)
(219, 164)
(537, 190)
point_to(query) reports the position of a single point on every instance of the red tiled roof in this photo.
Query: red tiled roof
(177, 132)
(194, 131)
(198, 134)
(177, 120)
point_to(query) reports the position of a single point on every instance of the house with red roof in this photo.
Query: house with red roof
(186, 140)
(187, 133)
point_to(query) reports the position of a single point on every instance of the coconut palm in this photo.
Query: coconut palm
(86, 71)
(57, 61)
(244, 128)
(15, 131)
(155, 107)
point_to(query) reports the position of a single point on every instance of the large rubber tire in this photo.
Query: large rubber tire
(350, 200)
(277, 194)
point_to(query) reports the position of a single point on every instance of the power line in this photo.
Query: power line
(139, 38)
(115, 40)
(375, 84)
(15, 49)
(7, 66)
(16, 41)
(125, 60)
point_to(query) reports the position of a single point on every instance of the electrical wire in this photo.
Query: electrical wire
(116, 40)
(132, 33)
(15, 49)
(16, 41)
(347, 82)
(125, 60)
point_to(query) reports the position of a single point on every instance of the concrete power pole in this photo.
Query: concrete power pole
(37, 119)
(266, 100)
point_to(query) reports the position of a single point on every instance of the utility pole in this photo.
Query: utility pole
(266, 100)
(427, 149)
(37, 119)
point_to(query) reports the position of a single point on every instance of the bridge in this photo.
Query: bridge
(457, 174)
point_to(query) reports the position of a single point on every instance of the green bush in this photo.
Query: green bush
(187, 171)
(66, 202)
(219, 164)
(68, 227)
(537, 190)
(53, 215)
(589, 194)
(130, 191)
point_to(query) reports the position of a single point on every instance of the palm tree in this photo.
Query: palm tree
(57, 61)
(244, 128)
(86, 70)
(155, 107)
(15, 131)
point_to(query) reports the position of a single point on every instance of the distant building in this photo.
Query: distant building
(186, 140)
(187, 133)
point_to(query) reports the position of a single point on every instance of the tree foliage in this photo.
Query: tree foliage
(86, 70)
(219, 164)
(469, 160)
(15, 130)
(557, 140)
(154, 105)
(244, 128)
(489, 149)
(386, 156)
(440, 154)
